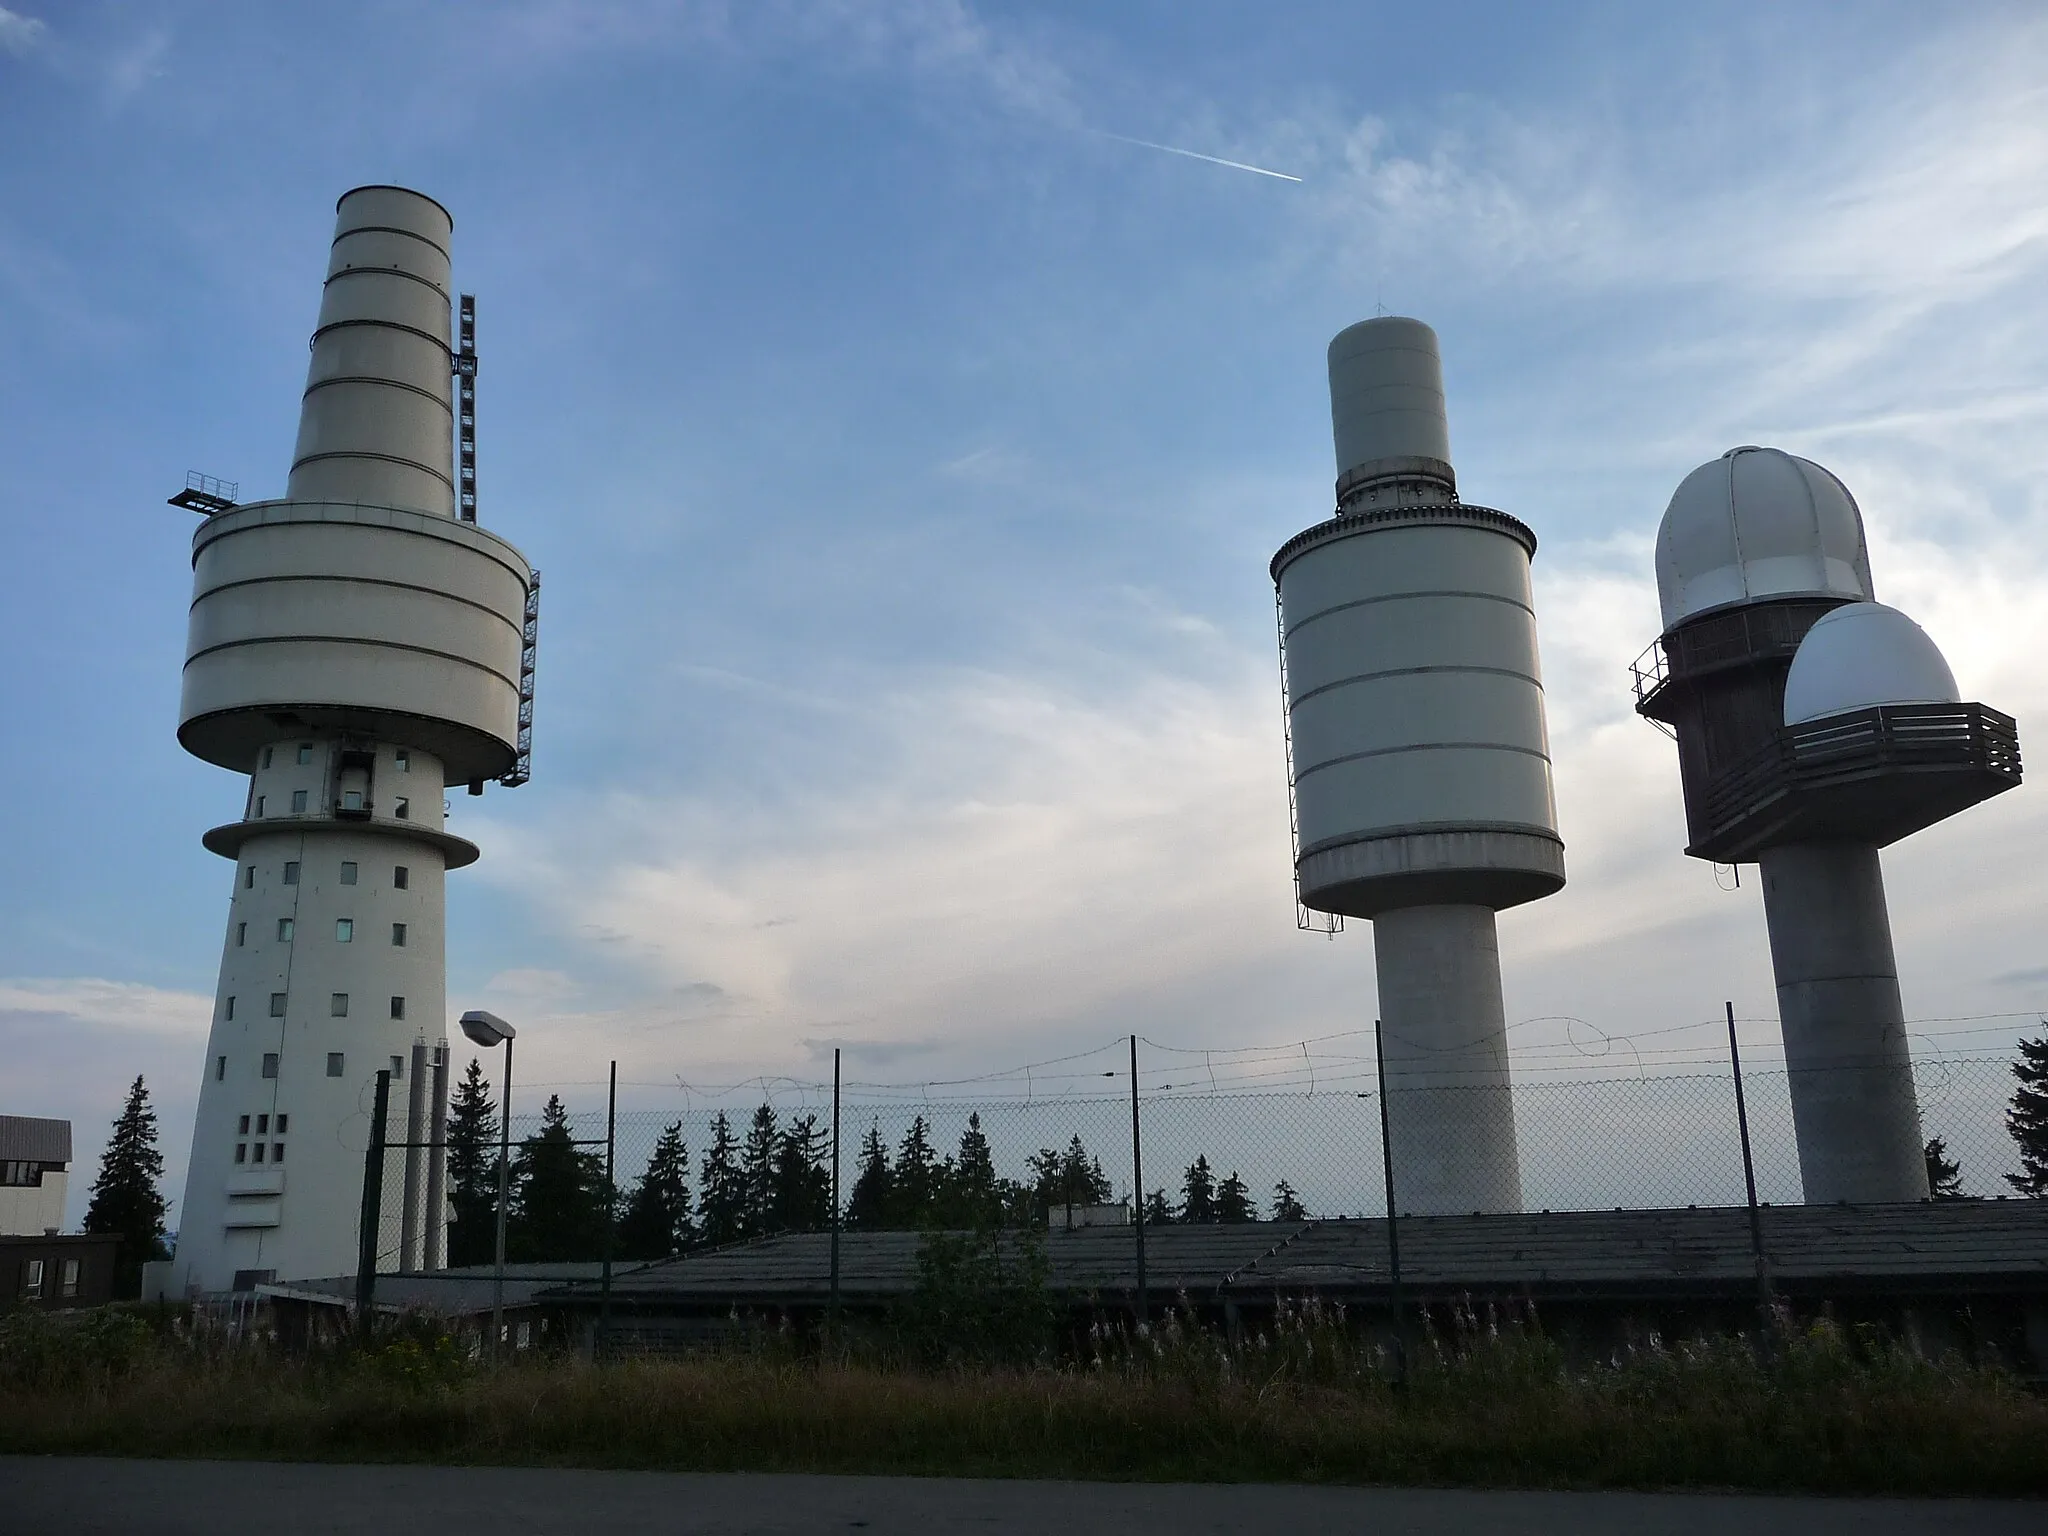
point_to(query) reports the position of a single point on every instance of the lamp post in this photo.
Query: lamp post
(488, 1030)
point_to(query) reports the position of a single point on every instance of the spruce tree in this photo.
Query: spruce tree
(125, 1197)
(974, 1194)
(1198, 1193)
(721, 1193)
(1158, 1210)
(2027, 1118)
(559, 1194)
(757, 1172)
(872, 1201)
(916, 1178)
(1234, 1201)
(1944, 1175)
(1287, 1204)
(656, 1220)
(472, 1171)
(803, 1179)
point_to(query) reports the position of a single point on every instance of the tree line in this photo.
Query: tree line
(774, 1176)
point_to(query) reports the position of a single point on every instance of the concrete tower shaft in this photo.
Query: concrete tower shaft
(1419, 757)
(353, 648)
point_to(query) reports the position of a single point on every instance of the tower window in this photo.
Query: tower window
(398, 934)
(263, 1125)
(277, 1005)
(249, 878)
(402, 808)
(291, 872)
(257, 1155)
(241, 934)
(270, 1063)
(334, 1063)
(229, 1011)
(397, 1068)
(344, 930)
(242, 1126)
(298, 800)
(337, 1005)
(305, 753)
(281, 1119)
(398, 1007)
(400, 877)
(351, 799)
(277, 1151)
(241, 1151)
(266, 757)
(348, 872)
(404, 760)
(259, 805)
(286, 927)
(220, 1069)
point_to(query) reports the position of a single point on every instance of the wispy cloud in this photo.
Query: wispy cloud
(19, 34)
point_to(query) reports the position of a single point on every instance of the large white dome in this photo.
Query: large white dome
(1863, 655)
(1758, 523)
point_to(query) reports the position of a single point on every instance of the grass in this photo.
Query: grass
(1817, 1410)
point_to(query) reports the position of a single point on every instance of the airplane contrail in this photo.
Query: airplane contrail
(1235, 165)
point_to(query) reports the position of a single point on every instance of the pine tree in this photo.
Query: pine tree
(1198, 1193)
(2027, 1118)
(916, 1178)
(757, 1172)
(873, 1197)
(803, 1180)
(125, 1197)
(559, 1195)
(721, 1192)
(472, 1171)
(973, 1193)
(1234, 1201)
(1287, 1204)
(1944, 1176)
(656, 1220)
(1158, 1210)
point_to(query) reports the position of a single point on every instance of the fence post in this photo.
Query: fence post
(373, 1210)
(1756, 1223)
(611, 1216)
(1393, 1217)
(1138, 1187)
(832, 1309)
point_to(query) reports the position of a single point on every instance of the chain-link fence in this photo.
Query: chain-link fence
(744, 1162)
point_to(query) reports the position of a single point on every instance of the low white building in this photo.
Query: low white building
(35, 1163)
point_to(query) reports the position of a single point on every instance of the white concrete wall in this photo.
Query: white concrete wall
(33, 1209)
(328, 1117)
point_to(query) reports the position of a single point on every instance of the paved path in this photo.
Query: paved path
(89, 1496)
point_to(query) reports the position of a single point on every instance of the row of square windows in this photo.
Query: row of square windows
(337, 1008)
(351, 800)
(344, 931)
(271, 1062)
(401, 877)
(401, 756)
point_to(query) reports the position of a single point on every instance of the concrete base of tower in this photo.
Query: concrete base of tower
(1450, 1107)
(1854, 1110)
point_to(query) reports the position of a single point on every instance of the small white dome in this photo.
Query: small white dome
(1757, 523)
(1863, 655)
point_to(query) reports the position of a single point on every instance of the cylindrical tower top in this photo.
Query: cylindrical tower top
(376, 424)
(1387, 402)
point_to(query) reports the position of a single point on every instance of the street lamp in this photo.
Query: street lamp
(487, 1030)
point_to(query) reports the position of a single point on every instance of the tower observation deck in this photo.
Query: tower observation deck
(354, 648)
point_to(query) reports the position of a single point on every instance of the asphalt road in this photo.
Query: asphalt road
(87, 1496)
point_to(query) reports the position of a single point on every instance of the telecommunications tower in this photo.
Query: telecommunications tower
(1814, 727)
(355, 648)
(1418, 760)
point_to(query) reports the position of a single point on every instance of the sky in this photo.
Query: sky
(903, 437)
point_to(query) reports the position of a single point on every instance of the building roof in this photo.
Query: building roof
(26, 1139)
(1972, 1245)
(447, 1292)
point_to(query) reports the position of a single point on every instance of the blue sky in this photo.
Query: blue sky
(903, 452)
